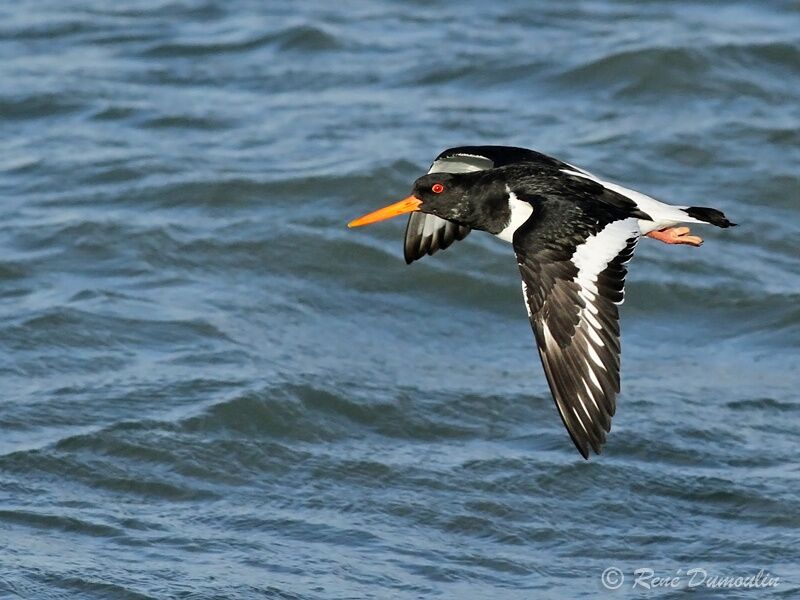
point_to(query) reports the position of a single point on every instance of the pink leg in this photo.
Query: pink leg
(675, 235)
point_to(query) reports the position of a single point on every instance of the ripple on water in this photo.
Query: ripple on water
(687, 74)
(70, 327)
(314, 414)
(301, 38)
(36, 106)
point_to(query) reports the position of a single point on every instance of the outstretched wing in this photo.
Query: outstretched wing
(573, 276)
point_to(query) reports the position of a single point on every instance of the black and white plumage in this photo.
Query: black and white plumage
(572, 294)
(573, 235)
(426, 233)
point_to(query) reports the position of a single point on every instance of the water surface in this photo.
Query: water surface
(213, 389)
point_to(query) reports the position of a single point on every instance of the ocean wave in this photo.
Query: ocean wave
(313, 414)
(678, 71)
(305, 38)
(40, 520)
(37, 105)
(65, 327)
(53, 28)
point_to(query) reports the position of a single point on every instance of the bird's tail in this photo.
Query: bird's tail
(708, 215)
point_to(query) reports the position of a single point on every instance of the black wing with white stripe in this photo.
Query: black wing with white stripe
(573, 268)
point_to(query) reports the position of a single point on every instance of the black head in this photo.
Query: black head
(478, 200)
(442, 194)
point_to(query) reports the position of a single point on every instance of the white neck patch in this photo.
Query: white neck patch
(520, 213)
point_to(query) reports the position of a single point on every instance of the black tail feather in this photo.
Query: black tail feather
(709, 215)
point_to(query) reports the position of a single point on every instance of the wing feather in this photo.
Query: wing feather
(426, 234)
(572, 295)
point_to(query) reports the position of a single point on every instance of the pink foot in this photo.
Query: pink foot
(675, 235)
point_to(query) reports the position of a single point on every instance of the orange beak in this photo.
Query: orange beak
(406, 205)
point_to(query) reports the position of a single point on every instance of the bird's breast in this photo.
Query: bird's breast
(519, 212)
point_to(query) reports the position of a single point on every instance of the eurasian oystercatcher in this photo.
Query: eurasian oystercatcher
(573, 234)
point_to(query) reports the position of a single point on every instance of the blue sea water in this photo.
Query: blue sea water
(212, 389)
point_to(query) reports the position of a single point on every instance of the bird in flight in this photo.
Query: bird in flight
(573, 235)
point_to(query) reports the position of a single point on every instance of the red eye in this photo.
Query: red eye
(437, 188)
